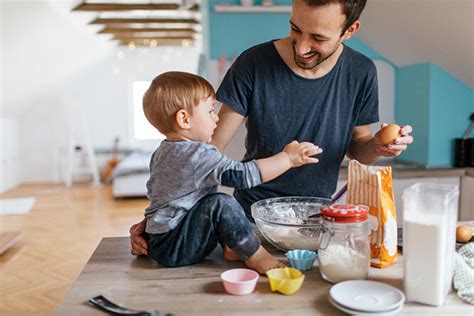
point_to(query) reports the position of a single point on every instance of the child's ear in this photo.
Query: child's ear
(182, 119)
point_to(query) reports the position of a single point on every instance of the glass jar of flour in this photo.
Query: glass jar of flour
(344, 248)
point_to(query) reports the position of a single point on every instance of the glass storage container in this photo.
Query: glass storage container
(344, 248)
(429, 230)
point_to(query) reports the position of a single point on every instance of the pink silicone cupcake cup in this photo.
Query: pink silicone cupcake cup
(239, 281)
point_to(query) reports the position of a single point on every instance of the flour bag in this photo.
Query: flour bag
(372, 186)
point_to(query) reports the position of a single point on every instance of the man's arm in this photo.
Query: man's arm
(366, 148)
(229, 122)
(362, 147)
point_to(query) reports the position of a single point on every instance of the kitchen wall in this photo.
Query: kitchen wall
(8, 154)
(438, 106)
(231, 33)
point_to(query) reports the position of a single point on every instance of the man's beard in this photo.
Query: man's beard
(318, 58)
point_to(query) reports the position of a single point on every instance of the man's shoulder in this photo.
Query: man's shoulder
(358, 60)
(259, 50)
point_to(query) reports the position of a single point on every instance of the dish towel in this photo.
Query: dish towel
(464, 273)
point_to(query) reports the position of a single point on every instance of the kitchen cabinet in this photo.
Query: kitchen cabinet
(467, 197)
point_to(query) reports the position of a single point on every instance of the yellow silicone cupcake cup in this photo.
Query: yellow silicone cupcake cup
(285, 280)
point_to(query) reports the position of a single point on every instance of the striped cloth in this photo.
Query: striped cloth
(464, 273)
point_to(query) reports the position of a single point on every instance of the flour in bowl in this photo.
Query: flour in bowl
(293, 238)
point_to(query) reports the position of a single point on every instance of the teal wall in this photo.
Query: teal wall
(412, 108)
(451, 104)
(232, 33)
(437, 106)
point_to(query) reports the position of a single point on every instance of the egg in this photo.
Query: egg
(389, 133)
(463, 233)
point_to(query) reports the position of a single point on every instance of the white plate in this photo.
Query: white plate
(367, 296)
(360, 313)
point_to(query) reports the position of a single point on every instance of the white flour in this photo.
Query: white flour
(291, 238)
(339, 263)
(427, 261)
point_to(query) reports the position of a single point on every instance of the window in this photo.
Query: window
(142, 129)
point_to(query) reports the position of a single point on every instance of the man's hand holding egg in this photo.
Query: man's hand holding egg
(391, 140)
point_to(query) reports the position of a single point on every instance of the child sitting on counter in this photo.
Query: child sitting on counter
(187, 217)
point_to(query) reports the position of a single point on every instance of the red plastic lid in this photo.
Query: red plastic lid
(345, 213)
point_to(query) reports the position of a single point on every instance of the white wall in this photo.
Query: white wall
(8, 154)
(102, 92)
(386, 77)
(58, 70)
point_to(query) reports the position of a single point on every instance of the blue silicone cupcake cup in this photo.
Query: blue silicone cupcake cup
(301, 259)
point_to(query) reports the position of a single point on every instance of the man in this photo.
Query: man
(305, 87)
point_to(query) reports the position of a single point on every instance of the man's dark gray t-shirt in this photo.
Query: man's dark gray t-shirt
(281, 106)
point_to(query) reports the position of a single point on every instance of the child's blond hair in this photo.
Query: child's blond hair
(171, 92)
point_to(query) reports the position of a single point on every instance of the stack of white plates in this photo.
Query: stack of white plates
(362, 297)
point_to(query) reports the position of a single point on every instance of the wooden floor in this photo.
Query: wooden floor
(58, 236)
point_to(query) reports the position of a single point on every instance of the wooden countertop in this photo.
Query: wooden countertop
(139, 283)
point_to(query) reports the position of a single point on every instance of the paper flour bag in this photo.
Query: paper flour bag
(372, 186)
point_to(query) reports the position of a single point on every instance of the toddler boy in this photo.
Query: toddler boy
(187, 218)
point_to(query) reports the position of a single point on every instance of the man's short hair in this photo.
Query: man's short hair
(352, 9)
(171, 92)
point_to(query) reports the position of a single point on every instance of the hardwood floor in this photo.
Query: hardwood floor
(58, 236)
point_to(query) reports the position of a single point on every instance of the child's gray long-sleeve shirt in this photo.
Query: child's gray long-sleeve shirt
(183, 172)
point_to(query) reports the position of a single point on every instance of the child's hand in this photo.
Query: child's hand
(300, 153)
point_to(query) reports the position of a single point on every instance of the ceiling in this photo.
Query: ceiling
(418, 31)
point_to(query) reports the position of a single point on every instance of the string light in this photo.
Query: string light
(120, 55)
(186, 43)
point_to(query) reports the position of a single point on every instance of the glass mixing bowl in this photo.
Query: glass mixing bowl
(290, 222)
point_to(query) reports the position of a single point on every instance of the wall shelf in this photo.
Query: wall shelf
(252, 9)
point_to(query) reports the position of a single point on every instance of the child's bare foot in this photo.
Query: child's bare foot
(230, 255)
(262, 261)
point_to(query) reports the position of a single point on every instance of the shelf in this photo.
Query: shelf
(252, 9)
